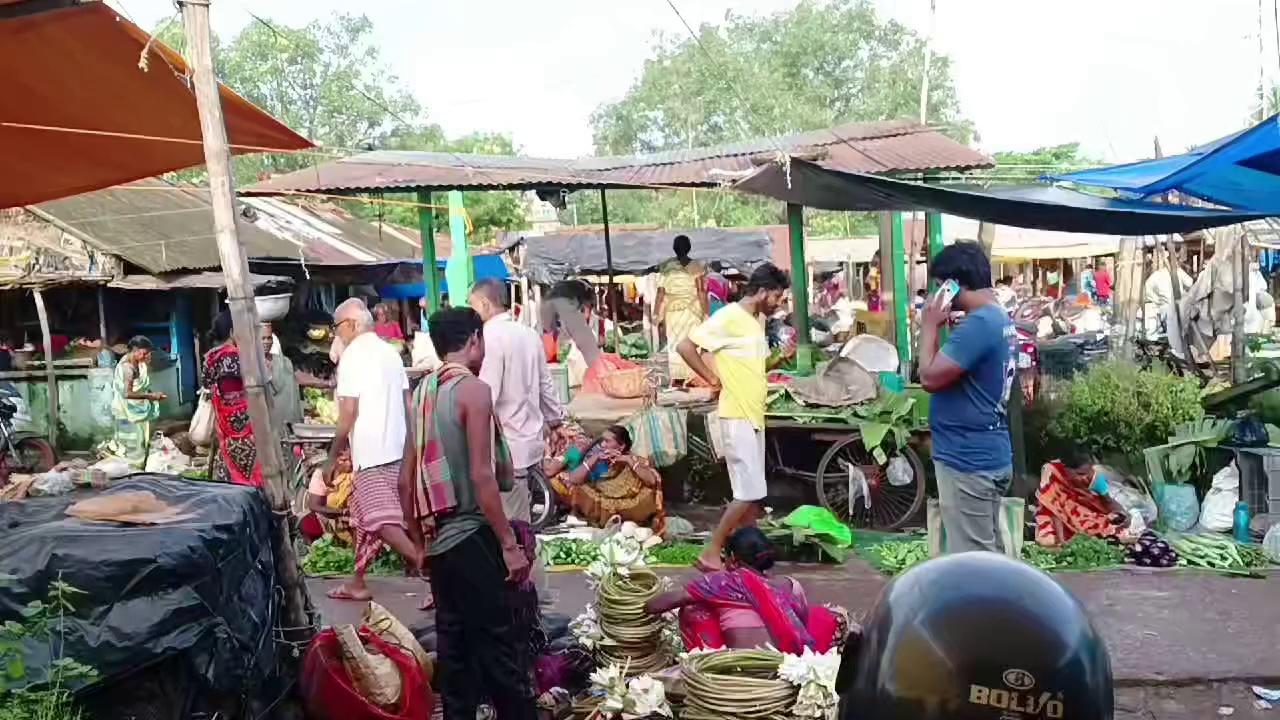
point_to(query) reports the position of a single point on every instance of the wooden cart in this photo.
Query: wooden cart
(849, 481)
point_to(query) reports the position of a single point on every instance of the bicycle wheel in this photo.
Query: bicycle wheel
(542, 502)
(847, 468)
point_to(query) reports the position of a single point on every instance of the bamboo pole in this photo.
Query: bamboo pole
(102, 317)
(244, 314)
(1239, 363)
(50, 375)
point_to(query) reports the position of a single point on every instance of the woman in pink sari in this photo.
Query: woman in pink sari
(742, 607)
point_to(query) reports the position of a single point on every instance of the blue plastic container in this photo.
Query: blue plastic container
(1240, 523)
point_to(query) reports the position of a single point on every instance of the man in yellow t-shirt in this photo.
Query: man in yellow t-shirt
(735, 337)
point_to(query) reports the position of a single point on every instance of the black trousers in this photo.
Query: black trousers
(483, 652)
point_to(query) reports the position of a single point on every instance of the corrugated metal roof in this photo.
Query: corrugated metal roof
(881, 147)
(162, 228)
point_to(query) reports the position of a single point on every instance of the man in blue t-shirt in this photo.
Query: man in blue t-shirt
(970, 380)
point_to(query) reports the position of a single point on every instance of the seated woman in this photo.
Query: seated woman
(743, 607)
(605, 479)
(327, 503)
(1071, 499)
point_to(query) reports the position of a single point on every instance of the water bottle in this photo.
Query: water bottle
(1240, 523)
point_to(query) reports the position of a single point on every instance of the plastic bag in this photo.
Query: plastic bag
(899, 471)
(1216, 513)
(1247, 431)
(821, 521)
(52, 483)
(1271, 543)
(201, 429)
(1179, 508)
(327, 692)
(659, 434)
(165, 457)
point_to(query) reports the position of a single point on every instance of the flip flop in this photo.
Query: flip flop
(341, 593)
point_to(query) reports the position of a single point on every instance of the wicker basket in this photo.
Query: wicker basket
(626, 384)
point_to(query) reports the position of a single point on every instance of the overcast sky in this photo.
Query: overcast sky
(1111, 74)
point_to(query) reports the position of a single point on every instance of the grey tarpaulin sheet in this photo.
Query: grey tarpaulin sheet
(200, 588)
(1033, 206)
(559, 255)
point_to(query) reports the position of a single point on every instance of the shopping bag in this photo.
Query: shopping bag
(201, 430)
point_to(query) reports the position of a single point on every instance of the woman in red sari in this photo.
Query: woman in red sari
(1066, 502)
(743, 607)
(237, 458)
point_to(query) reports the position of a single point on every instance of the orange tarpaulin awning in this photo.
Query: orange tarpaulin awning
(76, 66)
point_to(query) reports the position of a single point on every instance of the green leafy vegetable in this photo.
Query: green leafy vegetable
(327, 557)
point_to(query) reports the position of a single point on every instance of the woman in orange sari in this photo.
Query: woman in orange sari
(605, 479)
(1067, 502)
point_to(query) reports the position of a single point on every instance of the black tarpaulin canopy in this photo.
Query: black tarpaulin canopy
(1042, 207)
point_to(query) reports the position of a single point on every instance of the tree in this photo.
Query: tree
(489, 211)
(327, 80)
(1019, 167)
(825, 62)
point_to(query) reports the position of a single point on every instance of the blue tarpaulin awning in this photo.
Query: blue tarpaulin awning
(487, 266)
(1240, 171)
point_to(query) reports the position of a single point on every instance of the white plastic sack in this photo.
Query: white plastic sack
(113, 467)
(1271, 543)
(1216, 512)
(165, 457)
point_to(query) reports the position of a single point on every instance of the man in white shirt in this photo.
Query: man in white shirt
(524, 397)
(373, 420)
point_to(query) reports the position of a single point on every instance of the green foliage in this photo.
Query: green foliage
(326, 557)
(1016, 166)
(327, 80)
(1116, 408)
(40, 694)
(825, 62)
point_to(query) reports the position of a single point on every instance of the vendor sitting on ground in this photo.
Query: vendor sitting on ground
(1071, 499)
(327, 503)
(604, 479)
(742, 606)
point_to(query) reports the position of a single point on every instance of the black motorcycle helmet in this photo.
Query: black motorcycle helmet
(976, 636)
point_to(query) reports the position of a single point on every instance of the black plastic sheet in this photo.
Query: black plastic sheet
(199, 588)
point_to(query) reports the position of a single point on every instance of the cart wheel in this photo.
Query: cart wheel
(891, 506)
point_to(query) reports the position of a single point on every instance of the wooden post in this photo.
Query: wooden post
(800, 289)
(608, 261)
(987, 237)
(1128, 291)
(244, 313)
(1240, 281)
(102, 317)
(50, 375)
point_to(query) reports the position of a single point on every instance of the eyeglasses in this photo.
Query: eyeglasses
(340, 323)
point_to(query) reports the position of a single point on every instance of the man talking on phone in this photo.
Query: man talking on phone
(969, 380)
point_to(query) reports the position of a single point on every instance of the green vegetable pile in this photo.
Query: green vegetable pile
(679, 553)
(891, 413)
(327, 557)
(896, 556)
(578, 552)
(1081, 552)
(1217, 552)
(569, 551)
(633, 346)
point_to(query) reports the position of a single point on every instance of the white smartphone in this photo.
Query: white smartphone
(947, 292)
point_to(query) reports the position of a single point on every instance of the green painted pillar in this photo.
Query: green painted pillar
(427, 228)
(933, 221)
(901, 297)
(800, 289)
(458, 270)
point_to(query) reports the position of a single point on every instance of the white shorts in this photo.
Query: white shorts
(743, 447)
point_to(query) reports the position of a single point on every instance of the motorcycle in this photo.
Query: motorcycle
(21, 451)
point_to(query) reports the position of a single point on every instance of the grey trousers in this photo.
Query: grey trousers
(970, 503)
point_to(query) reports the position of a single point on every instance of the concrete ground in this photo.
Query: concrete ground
(1183, 644)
